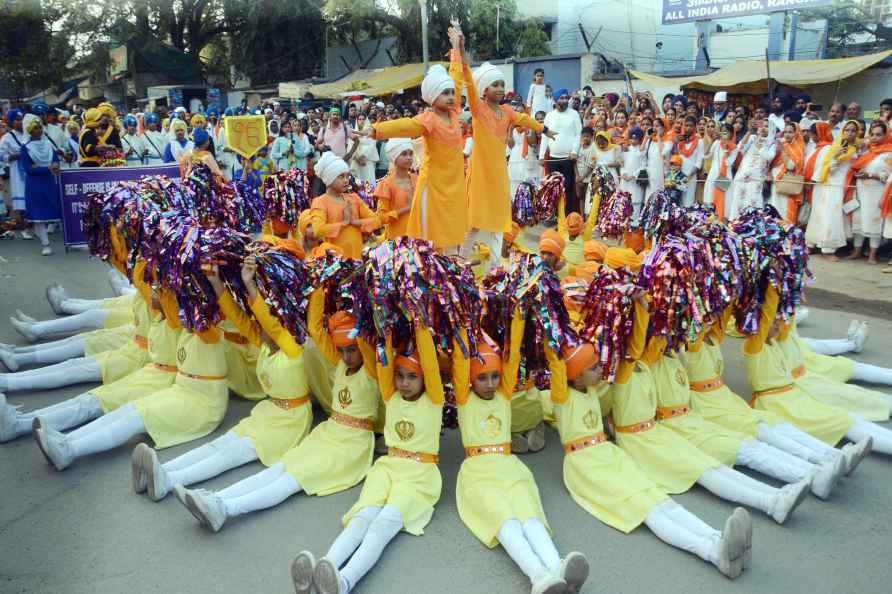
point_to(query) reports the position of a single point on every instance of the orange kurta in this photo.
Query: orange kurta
(439, 208)
(391, 198)
(327, 218)
(489, 195)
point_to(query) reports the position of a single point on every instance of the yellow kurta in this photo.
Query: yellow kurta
(412, 487)
(602, 478)
(439, 208)
(159, 373)
(871, 405)
(489, 197)
(836, 368)
(774, 388)
(106, 339)
(241, 362)
(133, 355)
(196, 403)
(119, 316)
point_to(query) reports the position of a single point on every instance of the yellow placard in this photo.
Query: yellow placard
(245, 134)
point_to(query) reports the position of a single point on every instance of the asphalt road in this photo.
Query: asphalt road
(85, 531)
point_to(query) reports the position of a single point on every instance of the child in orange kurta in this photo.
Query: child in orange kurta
(439, 207)
(336, 216)
(489, 199)
(394, 191)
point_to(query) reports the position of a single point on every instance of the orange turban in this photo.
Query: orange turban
(410, 362)
(634, 240)
(579, 358)
(622, 257)
(587, 270)
(340, 325)
(323, 248)
(574, 223)
(510, 236)
(492, 361)
(594, 250)
(280, 227)
(675, 160)
(303, 221)
(552, 243)
(292, 246)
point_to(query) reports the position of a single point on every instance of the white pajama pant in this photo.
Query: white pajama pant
(676, 526)
(735, 486)
(61, 416)
(772, 461)
(263, 490)
(787, 437)
(363, 541)
(863, 372)
(49, 353)
(91, 319)
(209, 460)
(882, 437)
(107, 432)
(73, 371)
(530, 546)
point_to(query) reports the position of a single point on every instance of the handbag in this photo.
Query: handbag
(851, 206)
(790, 185)
(643, 179)
(804, 214)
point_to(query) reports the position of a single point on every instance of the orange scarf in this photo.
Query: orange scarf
(875, 150)
(794, 151)
(718, 194)
(825, 139)
(687, 147)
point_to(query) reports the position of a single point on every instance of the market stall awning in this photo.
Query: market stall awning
(371, 83)
(750, 76)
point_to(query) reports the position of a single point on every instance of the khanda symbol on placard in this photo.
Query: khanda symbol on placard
(252, 130)
(344, 397)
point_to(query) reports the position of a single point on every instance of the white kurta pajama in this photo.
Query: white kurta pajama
(827, 225)
(866, 221)
(658, 153)
(747, 187)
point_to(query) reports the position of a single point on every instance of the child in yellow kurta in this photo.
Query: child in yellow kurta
(156, 375)
(336, 455)
(275, 424)
(189, 409)
(106, 366)
(339, 217)
(497, 496)
(669, 460)
(489, 197)
(401, 488)
(823, 356)
(439, 207)
(608, 484)
(394, 192)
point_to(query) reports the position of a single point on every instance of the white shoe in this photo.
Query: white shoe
(548, 584)
(207, 507)
(23, 329)
(116, 281)
(27, 235)
(788, 500)
(52, 229)
(327, 578)
(802, 314)
(55, 294)
(732, 548)
(742, 518)
(853, 327)
(574, 571)
(158, 484)
(138, 477)
(854, 453)
(827, 475)
(302, 569)
(536, 437)
(8, 416)
(179, 491)
(519, 443)
(53, 445)
(46, 251)
(7, 357)
(25, 317)
(860, 337)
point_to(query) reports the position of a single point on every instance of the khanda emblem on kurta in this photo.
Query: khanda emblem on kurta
(491, 426)
(344, 397)
(181, 354)
(265, 380)
(681, 378)
(590, 420)
(405, 430)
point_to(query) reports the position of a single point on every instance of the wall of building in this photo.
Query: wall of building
(867, 88)
(334, 64)
(559, 72)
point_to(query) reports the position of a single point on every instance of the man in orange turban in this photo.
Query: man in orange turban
(551, 247)
(622, 258)
(341, 326)
(574, 225)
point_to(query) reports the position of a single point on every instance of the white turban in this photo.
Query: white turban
(330, 166)
(395, 147)
(30, 121)
(485, 75)
(435, 82)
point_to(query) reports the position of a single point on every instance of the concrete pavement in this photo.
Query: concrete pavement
(83, 531)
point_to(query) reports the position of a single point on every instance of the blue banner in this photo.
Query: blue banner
(75, 184)
(685, 11)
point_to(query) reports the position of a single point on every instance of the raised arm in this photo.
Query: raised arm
(235, 314)
(558, 369)
(512, 365)
(637, 340)
(461, 372)
(753, 344)
(316, 327)
(274, 329)
(427, 354)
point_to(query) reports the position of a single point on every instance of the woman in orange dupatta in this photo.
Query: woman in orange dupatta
(869, 175)
(824, 134)
(723, 152)
(789, 159)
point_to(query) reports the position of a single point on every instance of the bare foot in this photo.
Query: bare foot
(832, 257)
(872, 261)
(855, 256)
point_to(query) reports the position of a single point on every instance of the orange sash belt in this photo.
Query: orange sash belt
(799, 372)
(235, 337)
(355, 422)
(485, 450)
(167, 368)
(289, 403)
(202, 377)
(670, 412)
(707, 385)
(771, 392)
(638, 427)
(584, 442)
(417, 456)
(141, 341)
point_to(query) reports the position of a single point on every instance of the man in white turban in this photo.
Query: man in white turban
(330, 166)
(485, 75)
(435, 82)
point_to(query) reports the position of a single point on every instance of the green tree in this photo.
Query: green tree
(494, 29)
(533, 41)
(33, 57)
(849, 24)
